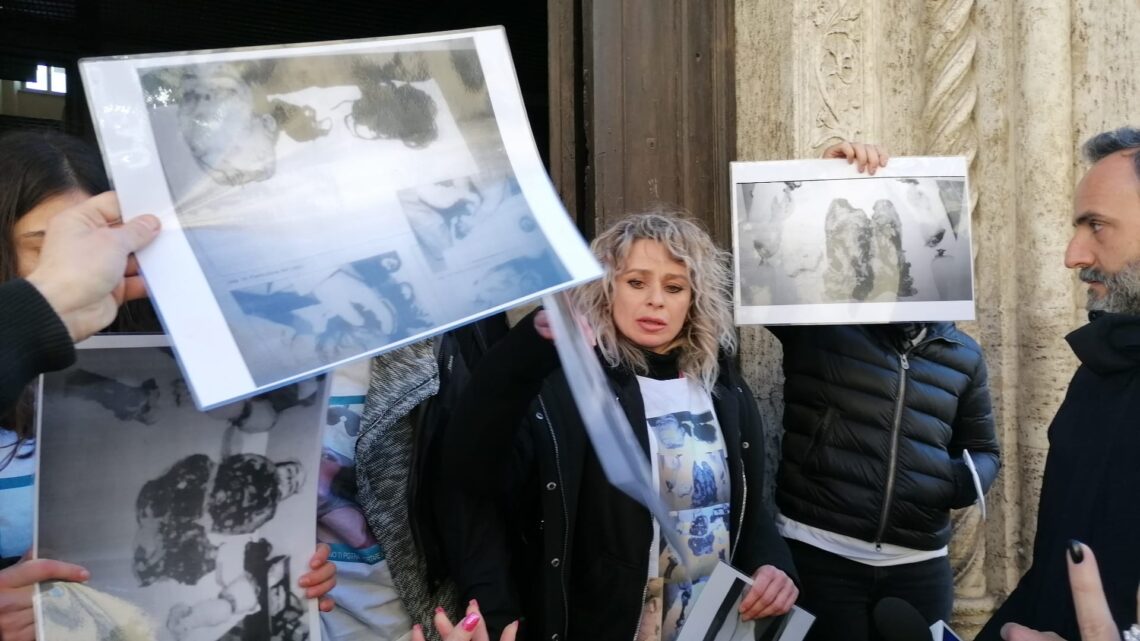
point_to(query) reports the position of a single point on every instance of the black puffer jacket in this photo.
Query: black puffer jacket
(535, 529)
(875, 429)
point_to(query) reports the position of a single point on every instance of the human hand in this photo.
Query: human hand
(865, 155)
(772, 593)
(17, 618)
(86, 270)
(471, 627)
(321, 579)
(1093, 616)
(542, 326)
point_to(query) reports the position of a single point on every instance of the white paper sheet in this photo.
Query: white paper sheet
(324, 202)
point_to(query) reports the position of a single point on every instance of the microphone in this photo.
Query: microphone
(897, 620)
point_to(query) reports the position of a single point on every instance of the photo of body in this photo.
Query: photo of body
(812, 243)
(196, 521)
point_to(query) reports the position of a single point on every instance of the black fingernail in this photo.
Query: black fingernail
(1076, 552)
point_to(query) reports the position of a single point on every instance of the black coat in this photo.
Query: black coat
(1089, 492)
(535, 529)
(874, 431)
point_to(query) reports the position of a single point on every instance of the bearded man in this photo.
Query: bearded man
(1092, 473)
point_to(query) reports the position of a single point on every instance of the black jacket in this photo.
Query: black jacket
(33, 339)
(536, 529)
(874, 430)
(1092, 475)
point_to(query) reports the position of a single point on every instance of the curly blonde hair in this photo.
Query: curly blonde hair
(708, 327)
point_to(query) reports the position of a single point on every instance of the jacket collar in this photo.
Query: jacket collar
(1108, 344)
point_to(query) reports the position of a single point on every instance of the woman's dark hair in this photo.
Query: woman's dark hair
(35, 166)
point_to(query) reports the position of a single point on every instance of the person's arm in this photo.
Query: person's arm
(33, 339)
(482, 429)
(482, 450)
(974, 430)
(762, 552)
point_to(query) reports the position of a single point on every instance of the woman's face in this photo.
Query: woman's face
(651, 298)
(28, 232)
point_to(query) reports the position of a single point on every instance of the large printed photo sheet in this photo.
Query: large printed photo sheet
(816, 242)
(329, 201)
(195, 526)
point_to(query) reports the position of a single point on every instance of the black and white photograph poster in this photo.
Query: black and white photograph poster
(816, 242)
(195, 526)
(323, 202)
(716, 614)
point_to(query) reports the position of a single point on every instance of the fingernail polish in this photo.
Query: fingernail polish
(1076, 552)
(470, 621)
(438, 610)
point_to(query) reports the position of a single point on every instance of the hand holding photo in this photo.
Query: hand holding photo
(716, 615)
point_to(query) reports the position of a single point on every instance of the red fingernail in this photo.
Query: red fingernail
(438, 610)
(470, 621)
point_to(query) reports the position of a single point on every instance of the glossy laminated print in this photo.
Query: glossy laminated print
(329, 201)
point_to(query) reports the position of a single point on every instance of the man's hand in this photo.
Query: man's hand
(1093, 616)
(86, 270)
(772, 593)
(17, 619)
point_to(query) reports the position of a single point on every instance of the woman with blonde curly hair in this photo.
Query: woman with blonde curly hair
(538, 533)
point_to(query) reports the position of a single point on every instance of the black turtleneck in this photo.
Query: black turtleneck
(663, 367)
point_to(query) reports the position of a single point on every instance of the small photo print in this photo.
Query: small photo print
(675, 430)
(817, 249)
(694, 482)
(192, 524)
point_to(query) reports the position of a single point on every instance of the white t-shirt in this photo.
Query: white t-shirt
(690, 467)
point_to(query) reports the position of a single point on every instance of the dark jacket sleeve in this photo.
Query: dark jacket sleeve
(761, 543)
(33, 339)
(488, 415)
(974, 431)
(483, 452)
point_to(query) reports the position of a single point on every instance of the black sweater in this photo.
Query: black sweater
(533, 526)
(33, 339)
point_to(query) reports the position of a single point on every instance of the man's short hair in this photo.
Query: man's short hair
(1109, 142)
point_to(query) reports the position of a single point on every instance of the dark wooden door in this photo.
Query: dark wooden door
(641, 107)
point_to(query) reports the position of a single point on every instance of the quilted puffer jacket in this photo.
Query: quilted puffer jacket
(876, 428)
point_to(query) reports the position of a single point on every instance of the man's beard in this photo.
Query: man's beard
(1122, 289)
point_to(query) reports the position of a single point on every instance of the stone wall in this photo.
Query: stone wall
(1015, 86)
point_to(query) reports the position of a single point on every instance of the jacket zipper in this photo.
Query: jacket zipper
(645, 590)
(892, 465)
(744, 490)
(743, 508)
(565, 520)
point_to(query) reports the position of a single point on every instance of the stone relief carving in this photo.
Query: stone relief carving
(951, 89)
(838, 71)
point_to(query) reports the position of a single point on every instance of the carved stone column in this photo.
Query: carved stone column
(948, 122)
